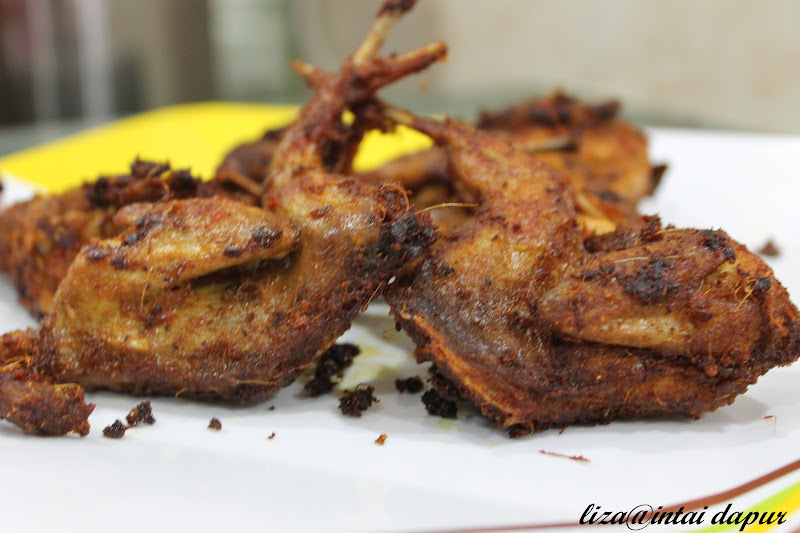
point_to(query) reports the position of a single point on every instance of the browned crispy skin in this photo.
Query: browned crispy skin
(40, 238)
(536, 331)
(607, 162)
(173, 303)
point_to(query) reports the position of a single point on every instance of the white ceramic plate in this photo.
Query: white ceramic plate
(324, 472)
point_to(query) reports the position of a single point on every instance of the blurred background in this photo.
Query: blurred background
(733, 64)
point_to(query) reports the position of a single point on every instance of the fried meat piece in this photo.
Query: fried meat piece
(536, 331)
(31, 400)
(213, 299)
(40, 238)
(179, 302)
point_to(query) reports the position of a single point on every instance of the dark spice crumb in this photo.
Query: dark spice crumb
(318, 386)
(141, 413)
(133, 238)
(119, 262)
(717, 241)
(232, 251)
(410, 385)
(271, 407)
(115, 430)
(266, 237)
(438, 406)
(761, 286)
(215, 424)
(337, 359)
(332, 363)
(380, 440)
(357, 400)
(769, 249)
(271, 436)
(95, 253)
(573, 457)
(653, 283)
(446, 388)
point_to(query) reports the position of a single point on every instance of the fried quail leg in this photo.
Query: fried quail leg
(521, 320)
(604, 157)
(608, 161)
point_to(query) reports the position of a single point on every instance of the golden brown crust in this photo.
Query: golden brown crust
(40, 238)
(536, 331)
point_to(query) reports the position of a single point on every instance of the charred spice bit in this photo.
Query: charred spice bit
(652, 284)
(115, 430)
(265, 237)
(410, 385)
(215, 424)
(717, 241)
(380, 440)
(332, 363)
(119, 262)
(271, 436)
(572, 457)
(96, 253)
(438, 406)
(141, 413)
(357, 400)
(271, 408)
(318, 386)
(769, 249)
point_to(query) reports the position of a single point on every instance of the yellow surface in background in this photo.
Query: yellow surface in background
(194, 136)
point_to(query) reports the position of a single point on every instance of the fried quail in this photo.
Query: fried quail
(213, 299)
(523, 321)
